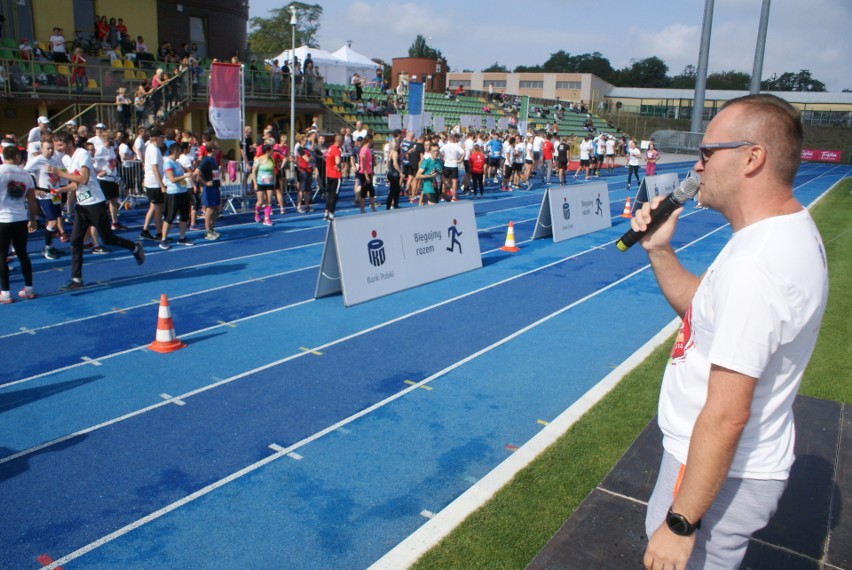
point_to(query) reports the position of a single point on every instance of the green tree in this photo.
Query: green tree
(496, 68)
(789, 81)
(422, 49)
(686, 79)
(649, 72)
(594, 63)
(270, 36)
(528, 69)
(559, 62)
(733, 80)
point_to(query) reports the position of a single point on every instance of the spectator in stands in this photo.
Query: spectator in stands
(374, 109)
(122, 36)
(122, 107)
(358, 83)
(78, 70)
(101, 29)
(57, 46)
(112, 33)
(26, 50)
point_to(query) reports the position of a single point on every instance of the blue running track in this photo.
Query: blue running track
(296, 432)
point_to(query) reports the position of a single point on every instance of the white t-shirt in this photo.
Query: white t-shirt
(36, 166)
(97, 141)
(153, 159)
(106, 164)
(139, 148)
(536, 144)
(90, 193)
(756, 311)
(57, 44)
(635, 155)
(452, 153)
(585, 149)
(468, 147)
(15, 182)
(610, 147)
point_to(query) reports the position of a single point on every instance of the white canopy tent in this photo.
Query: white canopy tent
(332, 69)
(356, 63)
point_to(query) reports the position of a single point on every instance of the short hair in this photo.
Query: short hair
(10, 152)
(776, 124)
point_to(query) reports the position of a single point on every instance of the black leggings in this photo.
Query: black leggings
(96, 215)
(477, 182)
(332, 189)
(631, 170)
(14, 233)
(393, 193)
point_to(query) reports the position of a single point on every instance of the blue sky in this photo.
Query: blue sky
(803, 34)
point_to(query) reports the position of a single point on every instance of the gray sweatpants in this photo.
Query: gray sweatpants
(742, 507)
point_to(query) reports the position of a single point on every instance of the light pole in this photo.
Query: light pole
(293, 93)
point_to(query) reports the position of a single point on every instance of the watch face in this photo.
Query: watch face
(679, 525)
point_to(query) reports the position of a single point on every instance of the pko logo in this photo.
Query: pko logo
(376, 250)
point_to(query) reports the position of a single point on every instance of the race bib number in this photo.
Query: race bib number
(216, 174)
(84, 195)
(266, 179)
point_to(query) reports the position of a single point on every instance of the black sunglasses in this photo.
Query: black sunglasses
(705, 151)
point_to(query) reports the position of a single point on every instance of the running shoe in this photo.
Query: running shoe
(267, 222)
(139, 253)
(118, 226)
(49, 252)
(185, 242)
(24, 294)
(257, 216)
(145, 234)
(164, 245)
(100, 250)
(72, 286)
(212, 236)
(5, 298)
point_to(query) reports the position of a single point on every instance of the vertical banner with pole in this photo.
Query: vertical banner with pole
(226, 100)
(226, 110)
(415, 107)
(523, 115)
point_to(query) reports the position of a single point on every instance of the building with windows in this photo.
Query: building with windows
(570, 87)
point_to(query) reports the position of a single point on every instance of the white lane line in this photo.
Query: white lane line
(287, 358)
(159, 273)
(280, 452)
(171, 400)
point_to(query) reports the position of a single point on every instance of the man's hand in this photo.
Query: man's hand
(668, 551)
(659, 237)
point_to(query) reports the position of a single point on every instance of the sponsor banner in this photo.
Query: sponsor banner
(374, 255)
(821, 155)
(653, 186)
(225, 109)
(571, 211)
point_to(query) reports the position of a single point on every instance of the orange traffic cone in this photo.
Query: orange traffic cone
(627, 213)
(510, 239)
(166, 340)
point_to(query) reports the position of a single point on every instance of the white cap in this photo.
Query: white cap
(43, 120)
(100, 126)
(71, 123)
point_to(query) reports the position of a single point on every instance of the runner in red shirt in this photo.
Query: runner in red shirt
(477, 170)
(547, 157)
(333, 175)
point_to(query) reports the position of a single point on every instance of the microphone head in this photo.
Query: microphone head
(686, 190)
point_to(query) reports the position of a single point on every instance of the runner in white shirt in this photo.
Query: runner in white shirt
(610, 153)
(452, 153)
(90, 210)
(49, 203)
(17, 205)
(155, 185)
(586, 149)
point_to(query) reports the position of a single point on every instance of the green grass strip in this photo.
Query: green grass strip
(510, 530)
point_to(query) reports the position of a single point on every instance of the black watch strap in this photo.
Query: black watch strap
(680, 525)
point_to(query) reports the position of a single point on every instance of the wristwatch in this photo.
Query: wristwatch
(679, 524)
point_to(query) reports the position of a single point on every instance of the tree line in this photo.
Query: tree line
(653, 72)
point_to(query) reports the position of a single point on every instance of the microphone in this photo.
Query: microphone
(684, 192)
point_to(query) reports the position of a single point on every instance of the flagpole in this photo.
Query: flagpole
(242, 139)
(293, 96)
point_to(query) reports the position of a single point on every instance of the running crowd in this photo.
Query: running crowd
(73, 178)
